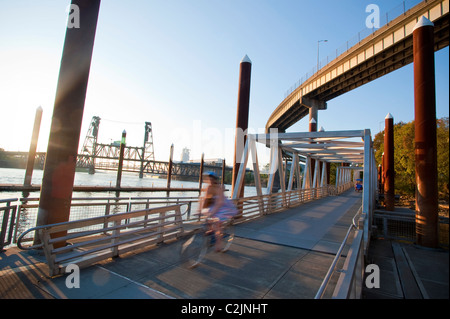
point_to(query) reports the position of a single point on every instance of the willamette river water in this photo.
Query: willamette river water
(105, 178)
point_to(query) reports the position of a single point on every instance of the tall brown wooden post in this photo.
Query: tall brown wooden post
(120, 166)
(425, 135)
(242, 116)
(389, 190)
(62, 151)
(33, 146)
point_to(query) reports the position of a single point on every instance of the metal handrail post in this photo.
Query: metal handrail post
(324, 284)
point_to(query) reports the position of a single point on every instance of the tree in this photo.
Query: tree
(404, 156)
(442, 156)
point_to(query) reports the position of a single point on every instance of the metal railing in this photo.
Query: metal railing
(258, 206)
(402, 226)
(357, 241)
(98, 238)
(21, 214)
(25, 213)
(8, 210)
(390, 225)
(22, 224)
(349, 285)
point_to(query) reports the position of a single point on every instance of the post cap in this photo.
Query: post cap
(389, 116)
(313, 121)
(246, 59)
(423, 22)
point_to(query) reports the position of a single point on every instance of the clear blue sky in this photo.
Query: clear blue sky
(175, 63)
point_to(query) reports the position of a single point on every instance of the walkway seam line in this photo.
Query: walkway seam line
(135, 282)
(416, 275)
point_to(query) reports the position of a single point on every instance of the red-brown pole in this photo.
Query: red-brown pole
(242, 117)
(380, 180)
(389, 162)
(425, 135)
(169, 170)
(33, 146)
(123, 143)
(62, 151)
(383, 171)
(223, 171)
(200, 176)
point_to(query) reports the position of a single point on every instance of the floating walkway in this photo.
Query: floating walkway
(284, 255)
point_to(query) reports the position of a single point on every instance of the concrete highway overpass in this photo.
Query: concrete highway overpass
(387, 49)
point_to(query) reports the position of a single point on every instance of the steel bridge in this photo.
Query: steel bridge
(95, 155)
(132, 163)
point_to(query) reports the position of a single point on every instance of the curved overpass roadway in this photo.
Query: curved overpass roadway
(386, 50)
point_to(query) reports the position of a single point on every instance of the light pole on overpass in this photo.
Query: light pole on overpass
(318, 42)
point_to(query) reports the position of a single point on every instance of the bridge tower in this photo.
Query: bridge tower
(90, 145)
(148, 152)
(92, 149)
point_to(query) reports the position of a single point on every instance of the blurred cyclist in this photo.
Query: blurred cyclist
(216, 206)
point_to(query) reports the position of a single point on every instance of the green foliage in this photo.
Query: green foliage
(442, 155)
(404, 158)
(333, 168)
(249, 178)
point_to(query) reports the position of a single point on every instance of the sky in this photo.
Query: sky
(175, 63)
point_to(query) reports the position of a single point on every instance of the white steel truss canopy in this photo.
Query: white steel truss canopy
(352, 147)
(331, 147)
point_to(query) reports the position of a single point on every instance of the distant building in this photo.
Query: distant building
(185, 155)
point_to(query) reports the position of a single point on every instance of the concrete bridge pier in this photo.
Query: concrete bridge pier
(314, 107)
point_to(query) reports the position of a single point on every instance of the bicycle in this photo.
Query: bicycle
(196, 246)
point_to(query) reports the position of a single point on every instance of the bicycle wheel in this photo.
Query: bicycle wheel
(194, 249)
(228, 237)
